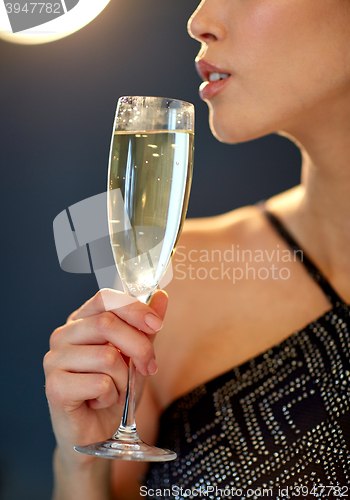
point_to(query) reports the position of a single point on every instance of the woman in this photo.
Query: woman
(275, 412)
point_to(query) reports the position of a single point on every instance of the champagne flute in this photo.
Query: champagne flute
(150, 173)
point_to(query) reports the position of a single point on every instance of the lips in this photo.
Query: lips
(214, 78)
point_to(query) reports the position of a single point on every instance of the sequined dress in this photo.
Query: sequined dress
(279, 423)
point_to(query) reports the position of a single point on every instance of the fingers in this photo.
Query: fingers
(103, 329)
(86, 361)
(134, 313)
(105, 361)
(70, 391)
(92, 359)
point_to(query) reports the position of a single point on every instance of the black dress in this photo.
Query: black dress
(278, 426)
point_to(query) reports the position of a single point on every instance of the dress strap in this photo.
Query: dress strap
(313, 271)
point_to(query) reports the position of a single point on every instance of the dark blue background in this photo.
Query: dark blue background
(57, 103)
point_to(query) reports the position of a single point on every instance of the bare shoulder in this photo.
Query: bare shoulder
(237, 221)
(240, 227)
(207, 244)
(245, 229)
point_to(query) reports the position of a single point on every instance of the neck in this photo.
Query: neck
(324, 214)
(320, 213)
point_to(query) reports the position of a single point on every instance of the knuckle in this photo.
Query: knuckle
(71, 317)
(109, 356)
(55, 337)
(105, 384)
(98, 300)
(47, 361)
(105, 321)
(54, 391)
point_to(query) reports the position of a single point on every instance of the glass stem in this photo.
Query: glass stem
(127, 428)
(128, 419)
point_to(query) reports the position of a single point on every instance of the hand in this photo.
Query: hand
(86, 368)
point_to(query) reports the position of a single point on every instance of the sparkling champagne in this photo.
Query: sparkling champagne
(149, 184)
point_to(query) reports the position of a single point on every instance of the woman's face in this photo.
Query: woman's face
(286, 59)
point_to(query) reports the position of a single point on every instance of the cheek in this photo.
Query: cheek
(265, 48)
(292, 42)
(262, 31)
(257, 55)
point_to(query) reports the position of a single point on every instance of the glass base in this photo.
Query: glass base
(127, 447)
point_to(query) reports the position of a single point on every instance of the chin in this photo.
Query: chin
(231, 131)
(233, 134)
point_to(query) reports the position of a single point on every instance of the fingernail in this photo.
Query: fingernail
(152, 367)
(153, 322)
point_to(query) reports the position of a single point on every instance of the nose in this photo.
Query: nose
(205, 24)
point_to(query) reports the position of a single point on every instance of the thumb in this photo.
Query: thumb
(159, 303)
